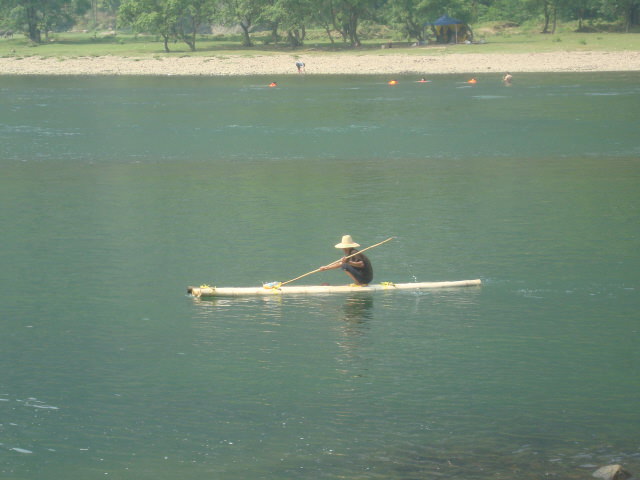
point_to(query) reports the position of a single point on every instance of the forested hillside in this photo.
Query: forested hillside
(289, 21)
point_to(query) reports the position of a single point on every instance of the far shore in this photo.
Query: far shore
(328, 64)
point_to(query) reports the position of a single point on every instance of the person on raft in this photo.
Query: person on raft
(357, 266)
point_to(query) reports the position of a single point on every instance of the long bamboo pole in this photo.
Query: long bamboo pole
(345, 258)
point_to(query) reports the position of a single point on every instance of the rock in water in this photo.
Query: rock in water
(612, 472)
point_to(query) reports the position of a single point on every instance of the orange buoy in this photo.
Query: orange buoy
(273, 84)
(392, 82)
(473, 80)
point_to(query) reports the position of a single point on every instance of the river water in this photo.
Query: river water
(118, 193)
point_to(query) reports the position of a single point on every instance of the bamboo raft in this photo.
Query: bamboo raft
(207, 291)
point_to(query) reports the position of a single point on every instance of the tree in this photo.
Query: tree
(517, 11)
(171, 19)
(347, 15)
(627, 10)
(549, 10)
(409, 16)
(291, 16)
(582, 10)
(35, 17)
(352, 11)
(245, 13)
(109, 6)
(190, 15)
(149, 16)
(323, 14)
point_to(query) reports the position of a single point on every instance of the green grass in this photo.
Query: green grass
(512, 40)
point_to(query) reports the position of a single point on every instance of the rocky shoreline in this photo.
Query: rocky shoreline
(326, 64)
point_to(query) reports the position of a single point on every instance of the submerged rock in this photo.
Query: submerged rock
(612, 472)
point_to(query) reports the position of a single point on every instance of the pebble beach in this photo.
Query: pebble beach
(326, 64)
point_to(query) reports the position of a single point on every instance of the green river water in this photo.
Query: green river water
(118, 193)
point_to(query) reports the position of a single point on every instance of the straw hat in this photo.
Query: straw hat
(347, 242)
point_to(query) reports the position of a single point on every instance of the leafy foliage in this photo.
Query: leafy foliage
(38, 17)
(181, 20)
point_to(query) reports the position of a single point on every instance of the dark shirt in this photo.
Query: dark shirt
(364, 274)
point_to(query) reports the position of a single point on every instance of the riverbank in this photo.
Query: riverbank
(326, 64)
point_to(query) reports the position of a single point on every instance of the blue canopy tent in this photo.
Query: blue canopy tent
(445, 27)
(447, 20)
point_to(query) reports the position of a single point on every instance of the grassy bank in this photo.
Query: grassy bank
(71, 44)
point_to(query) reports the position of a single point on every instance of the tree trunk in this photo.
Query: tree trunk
(190, 37)
(165, 39)
(355, 40)
(293, 38)
(631, 16)
(471, 35)
(246, 39)
(353, 29)
(328, 30)
(190, 40)
(413, 30)
(343, 29)
(547, 17)
(580, 18)
(344, 33)
(32, 23)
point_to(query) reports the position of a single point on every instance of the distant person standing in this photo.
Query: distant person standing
(300, 66)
